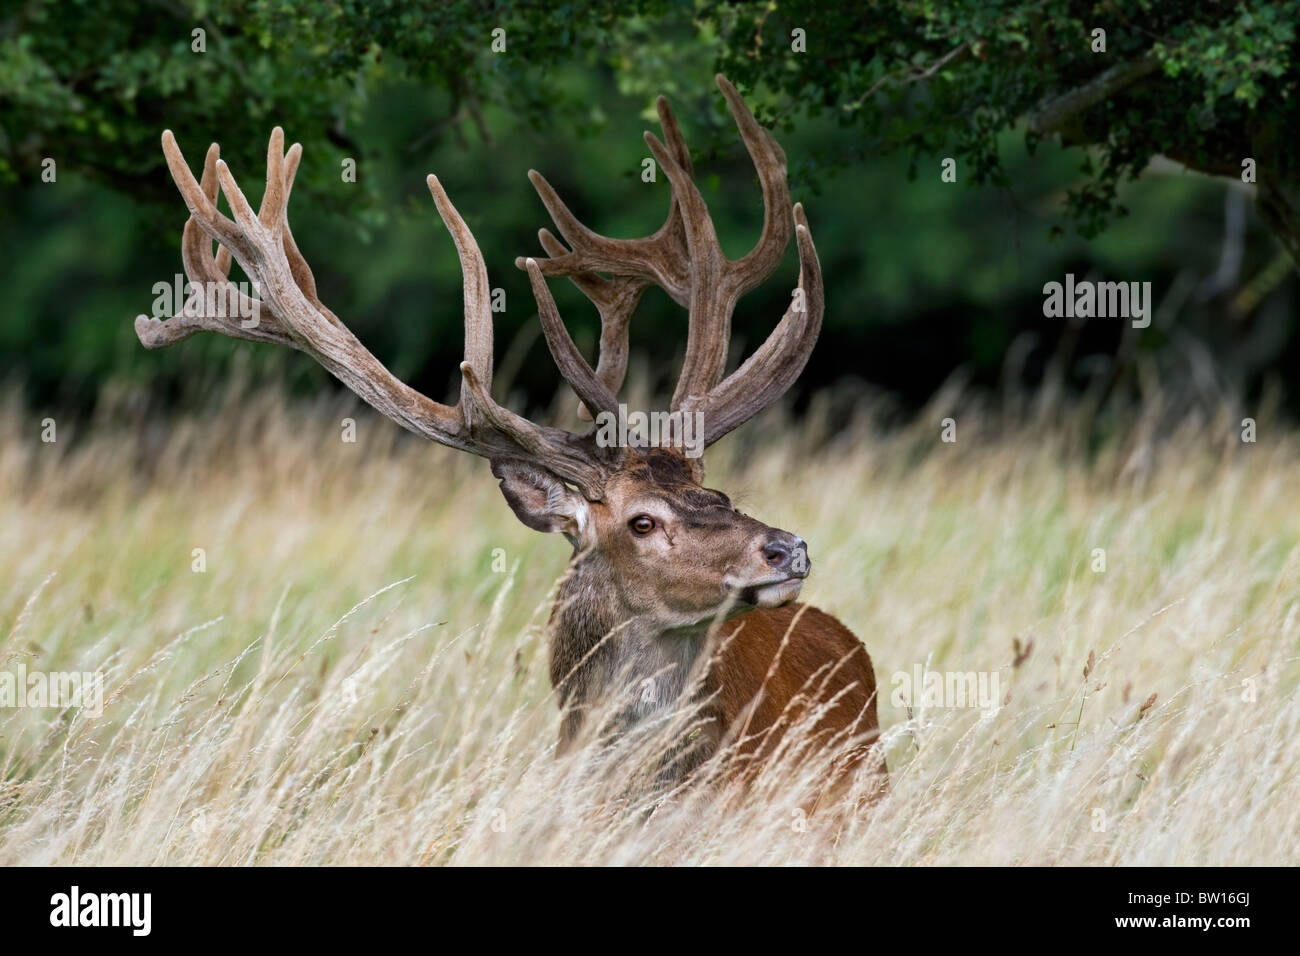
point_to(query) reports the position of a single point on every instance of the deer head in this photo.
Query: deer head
(653, 548)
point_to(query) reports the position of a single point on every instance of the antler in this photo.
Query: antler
(685, 259)
(263, 245)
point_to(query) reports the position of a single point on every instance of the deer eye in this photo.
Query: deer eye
(642, 524)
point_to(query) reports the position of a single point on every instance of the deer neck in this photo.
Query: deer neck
(602, 650)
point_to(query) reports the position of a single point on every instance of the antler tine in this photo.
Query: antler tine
(208, 183)
(774, 367)
(593, 392)
(478, 305)
(717, 282)
(302, 273)
(711, 300)
(769, 162)
(264, 246)
(616, 299)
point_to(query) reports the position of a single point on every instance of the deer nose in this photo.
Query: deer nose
(788, 554)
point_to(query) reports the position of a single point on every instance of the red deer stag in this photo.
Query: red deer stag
(669, 586)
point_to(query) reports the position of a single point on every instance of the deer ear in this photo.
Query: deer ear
(540, 500)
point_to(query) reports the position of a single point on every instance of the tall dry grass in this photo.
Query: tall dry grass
(351, 681)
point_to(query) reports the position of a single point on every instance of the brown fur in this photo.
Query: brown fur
(772, 667)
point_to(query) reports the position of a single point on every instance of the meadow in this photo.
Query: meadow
(316, 651)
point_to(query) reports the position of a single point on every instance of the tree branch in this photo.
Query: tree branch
(1054, 112)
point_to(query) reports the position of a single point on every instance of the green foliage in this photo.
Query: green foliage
(92, 82)
(923, 277)
(942, 77)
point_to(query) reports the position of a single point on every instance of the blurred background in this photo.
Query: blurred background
(1122, 163)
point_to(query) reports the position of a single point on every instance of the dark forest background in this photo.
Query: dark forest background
(1123, 164)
